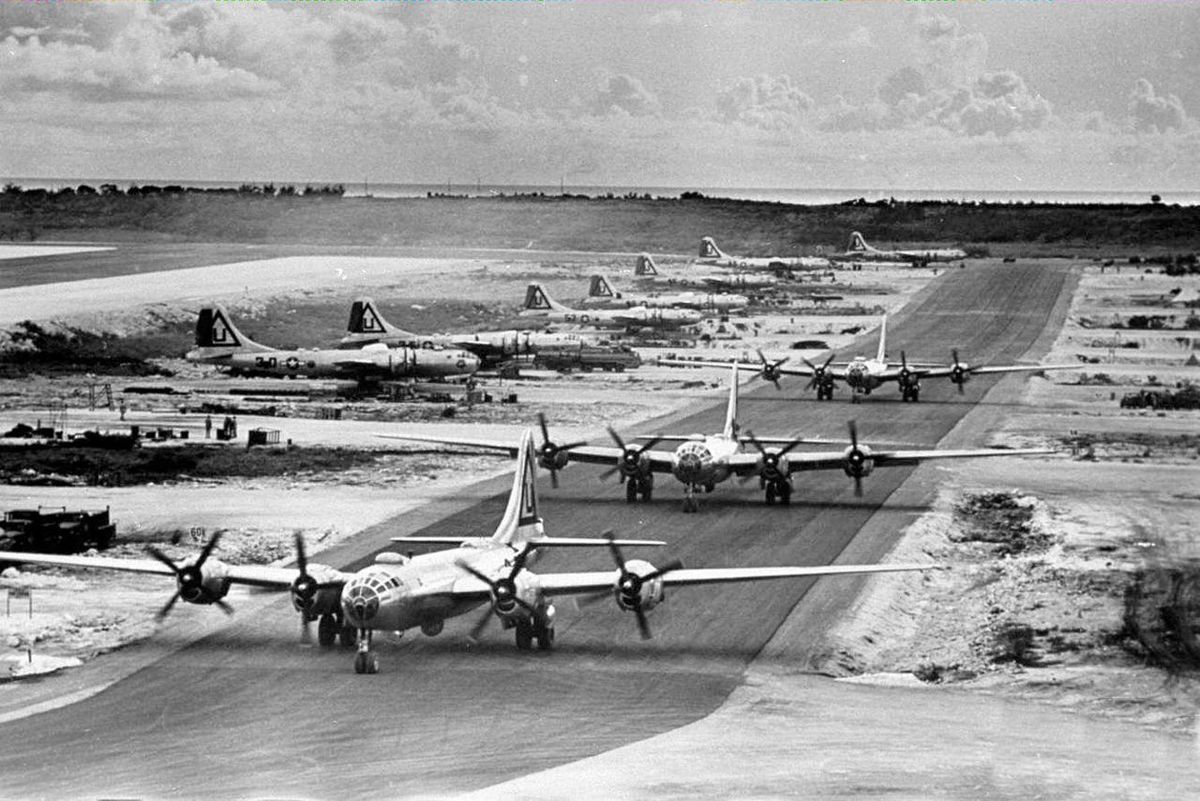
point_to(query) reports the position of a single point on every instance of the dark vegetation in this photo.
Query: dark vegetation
(33, 349)
(999, 519)
(1162, 607)
(274, 214)
(1186, 398)
(145, 465)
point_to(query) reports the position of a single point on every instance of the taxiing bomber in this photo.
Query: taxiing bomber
(398, 593)
(219, 343)
(863, 375)
(647, 270)
(700, 462)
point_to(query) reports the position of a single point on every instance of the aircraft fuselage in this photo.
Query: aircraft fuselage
(704, 461)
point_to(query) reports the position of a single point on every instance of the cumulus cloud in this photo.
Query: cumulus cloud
(768, 102)
(624, 94)
(948, 88)
(1152, 112)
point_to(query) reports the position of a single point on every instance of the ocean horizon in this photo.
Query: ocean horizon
(798, 196)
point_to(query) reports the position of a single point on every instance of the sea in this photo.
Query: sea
(793, 195)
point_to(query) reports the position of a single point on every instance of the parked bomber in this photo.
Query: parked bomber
(712, 255)
(647, 270)
(539, 304)
(703, 461)
(859, 250)
(221, 344)
(602, 294)
(397, 593)
(368, 326)
(863, 375)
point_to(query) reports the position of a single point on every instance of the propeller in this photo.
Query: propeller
(855, 459)
(959, 371)
(905, 373)
(189, 580)
(305, 589)
(818, 376)
(549, 452)
(630, 458)
(630, 584)
(771, 459)
(770, 370)
(504, 593)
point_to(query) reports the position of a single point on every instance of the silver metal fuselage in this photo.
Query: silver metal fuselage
(704, 460)
(396, 597)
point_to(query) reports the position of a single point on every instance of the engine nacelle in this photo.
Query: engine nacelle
(857, 463)
(773, 466)
(646, 594)
(526, 587)
(206, 584)
(313, 602)
(633, 463)
(552, 458)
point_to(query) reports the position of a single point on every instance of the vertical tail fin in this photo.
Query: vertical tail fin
(709, 249)
(522, 520)
(601, 288)
(366, 319)
(857, 243)
(731, 425)
(645, 265)
(216, 331)
(881, 354)
(538, 299)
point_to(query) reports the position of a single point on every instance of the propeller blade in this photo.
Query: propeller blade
(301, 557)
(615, 550)
(166, 610)
(754, 441)
(853, 425)
(571, 445)
(476, 573)
(305, 631)
(960, 388)
(650, 443)
(162, 557)
(669, 567)
(643, 624)
(554, 478)
(208, 549)
(604, 476)
(545, 429)
(858, 491)
(616, 438)
(480, 625)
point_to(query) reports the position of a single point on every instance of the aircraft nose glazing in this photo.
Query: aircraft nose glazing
(691, 460)
(360, 603)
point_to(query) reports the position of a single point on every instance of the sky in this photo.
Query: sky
(1039, 95)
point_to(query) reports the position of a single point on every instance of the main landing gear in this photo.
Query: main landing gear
(910, 393)
(330, 629)
(824, 392)
(780, 491)
(529, 630)
(364, 660)
(639, 485)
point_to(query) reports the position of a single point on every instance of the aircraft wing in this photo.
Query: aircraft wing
(836, 369)
(279, 578)
(836, 460)
(940, 372)
(541, 542)
(588, 454)
(599, 581)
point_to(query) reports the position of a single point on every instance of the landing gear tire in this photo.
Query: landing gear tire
(524, 632)
(785, 495)
(327, 631)
(771, 494)
(690, 504)
(365, 662)
(646, 486)
(631, 491)
(348, 636)
(545, 637)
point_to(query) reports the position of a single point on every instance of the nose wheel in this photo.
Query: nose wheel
(365, 660)
(690, 504)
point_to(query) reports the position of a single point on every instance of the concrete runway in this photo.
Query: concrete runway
(249, 711)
